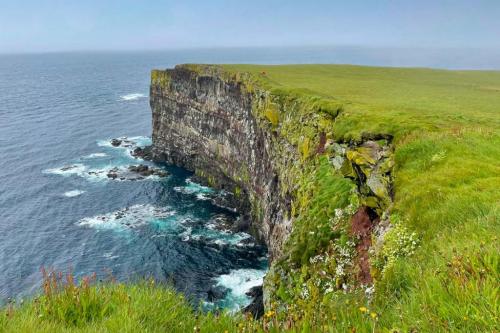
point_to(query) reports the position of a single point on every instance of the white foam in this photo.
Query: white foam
(101, 174)
(239, 281)
(128, 144)
(95, 155)
(67, 170)
(73, 193)
(201, 192)
(132, 97)
(202, 196)
(110, 256)
(127, 218)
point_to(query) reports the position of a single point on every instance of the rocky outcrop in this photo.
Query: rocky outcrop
(205, 123)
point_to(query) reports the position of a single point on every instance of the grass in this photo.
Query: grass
(111, 307)
(444, 127)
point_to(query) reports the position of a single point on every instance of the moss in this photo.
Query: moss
(160, 78)
(237, 191)
(272, 114)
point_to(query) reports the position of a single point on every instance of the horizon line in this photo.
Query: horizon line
(271, 47)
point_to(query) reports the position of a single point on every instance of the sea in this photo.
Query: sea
(59, 210)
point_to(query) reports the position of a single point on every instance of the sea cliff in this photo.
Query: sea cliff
(277, 159)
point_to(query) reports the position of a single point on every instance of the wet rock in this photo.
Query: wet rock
(113, 173)
(68, 167)
(116, 142)
(146, 171)
(256, 308)
(144, 153)
(141, 169)
(216, 293)
(242, 224)
(226, 200)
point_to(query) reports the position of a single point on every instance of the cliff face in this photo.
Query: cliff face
(206, 124)
(276, 156)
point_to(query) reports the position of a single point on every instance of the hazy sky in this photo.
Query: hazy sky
(57, 25)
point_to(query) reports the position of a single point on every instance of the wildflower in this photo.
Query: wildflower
(363, 309)
(269, 314)
(373, 315)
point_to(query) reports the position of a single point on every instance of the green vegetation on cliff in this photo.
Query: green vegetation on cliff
(435, 264)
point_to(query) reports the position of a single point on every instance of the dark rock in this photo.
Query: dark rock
(242, 224)
(141, 168)
(144, 153)
(146, 171)
(113, 173)
(216, 293)
(116, 142)
(256, 308)
(68, 167)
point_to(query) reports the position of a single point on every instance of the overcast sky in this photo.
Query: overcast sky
(57, 25)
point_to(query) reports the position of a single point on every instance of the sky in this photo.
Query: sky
(57, 25)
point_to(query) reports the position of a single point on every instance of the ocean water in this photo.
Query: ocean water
(58, 208)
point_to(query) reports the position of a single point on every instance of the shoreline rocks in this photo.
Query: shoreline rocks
(143, 153)
(136, 172)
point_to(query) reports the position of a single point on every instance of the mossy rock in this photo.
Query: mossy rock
(379, 185)
(362, 156)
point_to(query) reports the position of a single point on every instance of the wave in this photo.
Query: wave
(103, 174)
(73, 193)
(128, 144)
(201, 192)
(211, 234)
(238, 282)
(132, 97)
(67, 170)
(95, 155)
(127, 218)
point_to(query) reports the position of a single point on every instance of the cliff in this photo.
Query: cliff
(206, 124)
(276, 157)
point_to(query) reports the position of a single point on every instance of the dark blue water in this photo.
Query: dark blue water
(59, 209)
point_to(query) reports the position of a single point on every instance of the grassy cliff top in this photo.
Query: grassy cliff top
(394, 99)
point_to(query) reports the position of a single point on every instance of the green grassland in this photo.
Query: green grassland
(444, 127)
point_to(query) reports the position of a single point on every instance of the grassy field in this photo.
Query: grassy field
(445, 128)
